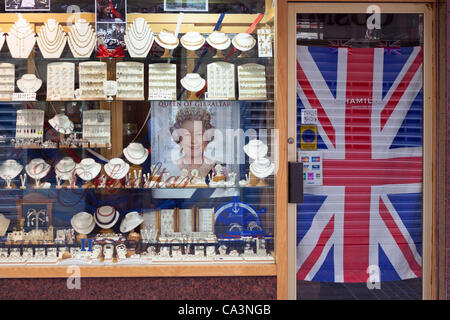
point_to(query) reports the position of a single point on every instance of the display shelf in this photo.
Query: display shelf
(204, 269)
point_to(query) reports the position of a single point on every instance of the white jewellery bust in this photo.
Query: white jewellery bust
(61, 123)
(29, 83)
(139, 38)
(218, 40)
(21, 38)
(136, 153)
(132, 220)
(192, 40)
(243, 41)
(193, 82)
(51, 39)
(10, 169)
(65, 168)
(262, 168)
(116, 168)
(81, 39)
(167, 40)
(88, 169)
(255, 149)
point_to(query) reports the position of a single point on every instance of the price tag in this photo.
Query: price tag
(110, 88)
(22, 96)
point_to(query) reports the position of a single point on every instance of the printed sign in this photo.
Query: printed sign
(308, 137)
(312, 167)
(21, 96)
(309, 116)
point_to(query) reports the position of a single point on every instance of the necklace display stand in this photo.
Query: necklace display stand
(168, 41)
(139, 38)
(51, 39)
(21, 39)
(219, 41)
(81, 39)
(193, 83)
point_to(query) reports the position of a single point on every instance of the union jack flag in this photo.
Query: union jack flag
(368, 210)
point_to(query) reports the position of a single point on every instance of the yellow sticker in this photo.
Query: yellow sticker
(308, 137)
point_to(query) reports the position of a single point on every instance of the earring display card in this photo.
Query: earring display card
(167, 221)
(97, 128)
(130, 81)
(265, 43)
(7, 80)
(205, 220)
(221, 81)
(185, 220)
(60, 81)
(92, 79)
(162, 81)
(252, 82)
(30, 125)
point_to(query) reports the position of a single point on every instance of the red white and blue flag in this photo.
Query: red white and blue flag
(368, 212)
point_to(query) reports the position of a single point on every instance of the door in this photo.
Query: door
(360, 107)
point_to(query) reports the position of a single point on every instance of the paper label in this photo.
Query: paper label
(110, 88)
(22, 96)
(309, 116)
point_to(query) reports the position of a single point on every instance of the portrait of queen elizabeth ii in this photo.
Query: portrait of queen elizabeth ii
(192, 131)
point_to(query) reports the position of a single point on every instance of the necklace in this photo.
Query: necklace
(75, 49)
(46, 24)
(192, 43)
(50, 46)
(81, 25)
(139, 35)
(217, 43)
(136, 50)
(249, 46)
(80, 39)
(167, 43)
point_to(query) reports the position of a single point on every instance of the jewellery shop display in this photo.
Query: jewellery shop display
(243, 42)
(221, 81)
(162, 81)
(92, 78)
(60, 81)
(130, 81)
(193, 83)
(61, 123)
(265, 43)
(252, 82)
(28, 83)
(2, 39)
(81, 39)
(65, 171)
(139, 38)
(97, 128)
(21, 38)
(51, 39)
(219, 41)
(7, 80)
(192, 41)
(9, 170)
(87, 169)
(168, 41)
(38, 169)
(29, 128)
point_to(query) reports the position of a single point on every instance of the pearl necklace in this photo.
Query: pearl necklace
(138, 35)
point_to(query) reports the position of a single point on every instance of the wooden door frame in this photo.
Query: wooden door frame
(286, 219)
